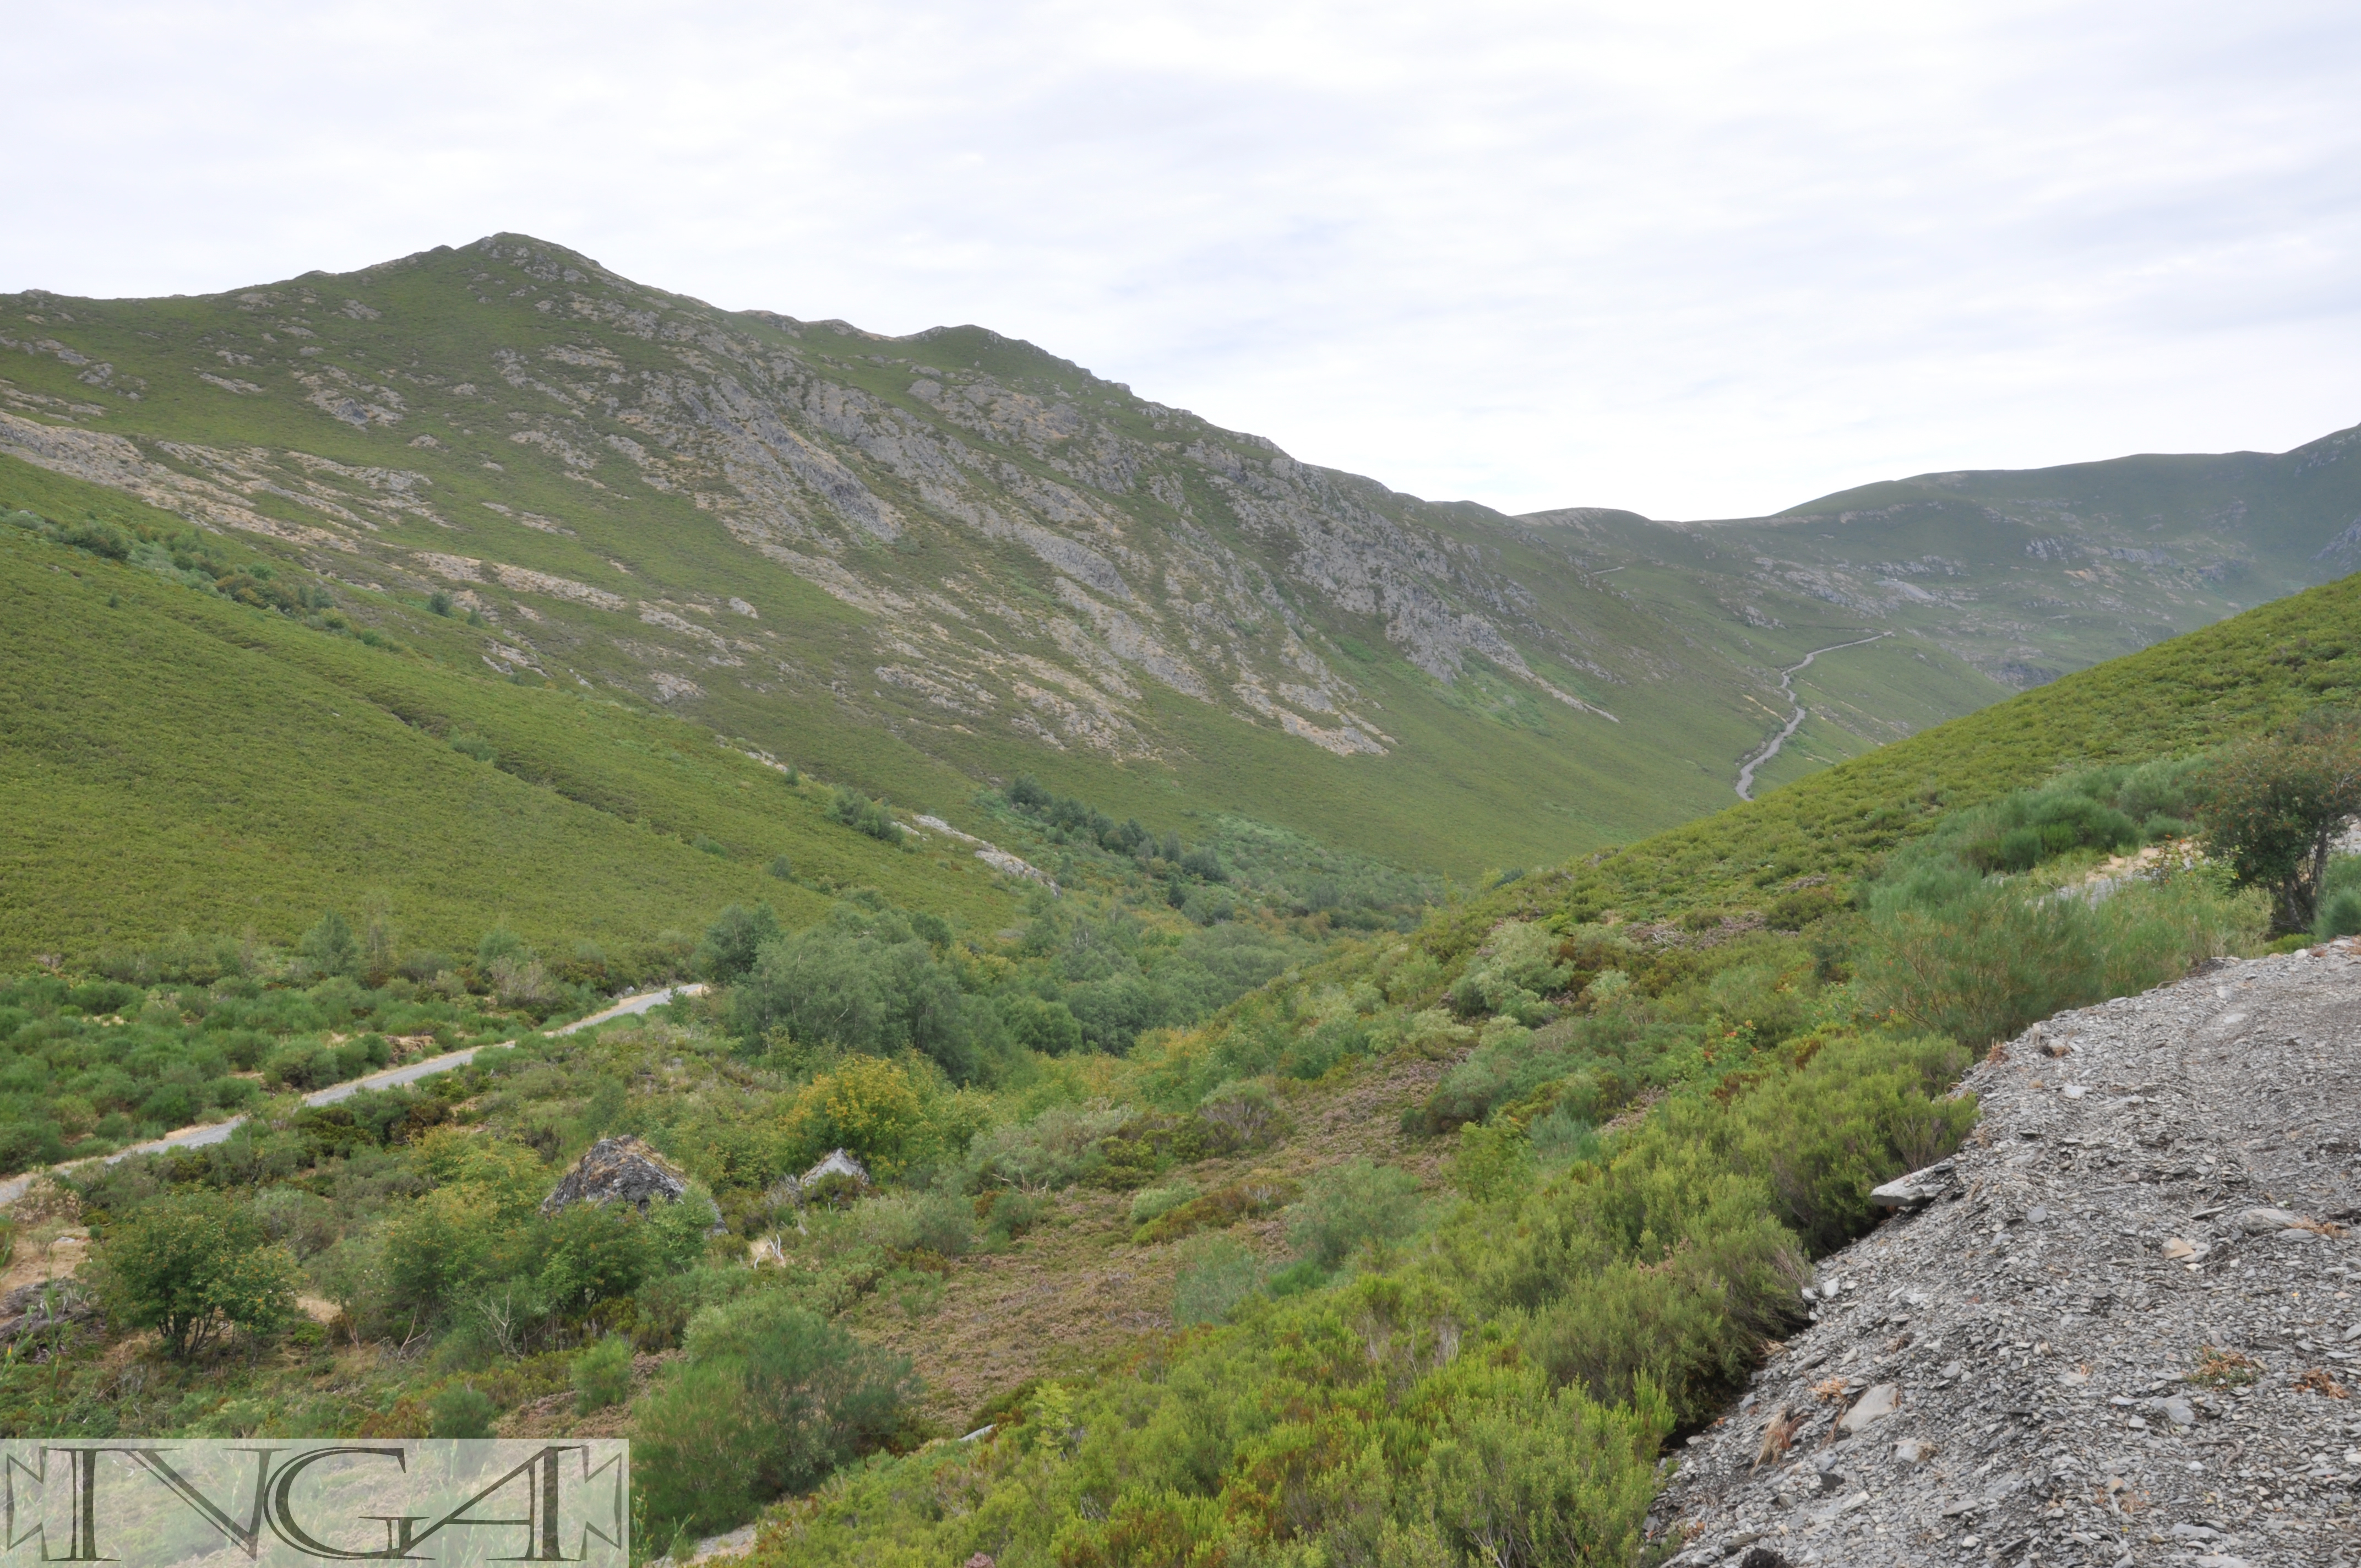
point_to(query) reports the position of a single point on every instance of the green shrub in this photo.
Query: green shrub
(865, 981)
(868, 1106)
(1524, 1477)
(771, 1398)
(862, 814)
(476, 746)
(461, 1410)
(1261, 1192)
(1494, 1162)
(938, 1222)
(782, 868)
(191, 1266)
(2340, 899)
(1980, 959)
(1352, 1206)
(1054, 1150)
(733, 941)
(1010, 1214)
(602, 1375)
(331, 945)
(1217, 1273)
(1242, 1115)
(1153, 1202)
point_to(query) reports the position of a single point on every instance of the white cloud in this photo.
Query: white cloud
(1696, 259)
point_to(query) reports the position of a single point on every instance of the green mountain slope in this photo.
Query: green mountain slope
(921, 563)
(174, 759)
(2023, 576)
(819, 539)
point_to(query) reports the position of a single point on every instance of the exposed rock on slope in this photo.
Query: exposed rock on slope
(618, 1170)
(2119, 1328)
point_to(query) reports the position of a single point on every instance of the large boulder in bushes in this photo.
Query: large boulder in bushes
(619, 1170)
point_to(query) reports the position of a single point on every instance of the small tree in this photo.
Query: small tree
(190, 1265)
(331, 945)
(733, 942)
(2273, 807)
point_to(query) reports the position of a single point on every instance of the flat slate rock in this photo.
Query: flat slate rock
(2114, 1331)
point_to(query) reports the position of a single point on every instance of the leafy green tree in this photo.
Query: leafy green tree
(331, 945)
(733, 942)
(2274, 807)
(190, 1265)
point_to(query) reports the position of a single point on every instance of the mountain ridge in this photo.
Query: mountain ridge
(790, 530)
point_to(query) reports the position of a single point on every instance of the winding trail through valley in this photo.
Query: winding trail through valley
(1787, 685)
(15, 1187)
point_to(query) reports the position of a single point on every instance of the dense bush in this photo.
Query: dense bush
(770, 1398)
(2340, 899)
(2274, 804)
(602, 1375)
(191, 1265)
(862, 814)
(1354, 1206)
(1980, 958)
(1217, 1274)
(194, 1030)
(865, 981)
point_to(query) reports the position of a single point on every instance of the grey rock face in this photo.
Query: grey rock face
(837, 1163)
(618, 1170)
(2066, 1385)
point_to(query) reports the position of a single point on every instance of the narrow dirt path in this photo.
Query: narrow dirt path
(1787, 685)
(15, 1187)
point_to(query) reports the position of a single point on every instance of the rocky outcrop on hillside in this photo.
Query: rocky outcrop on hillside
(2120, 1326)
(1033, 549)
(618, 1170)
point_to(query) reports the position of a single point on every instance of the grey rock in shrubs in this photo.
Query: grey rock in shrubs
(618, 1170)
(837, 1162)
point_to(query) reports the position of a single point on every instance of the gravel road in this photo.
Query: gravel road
(2015, 1370)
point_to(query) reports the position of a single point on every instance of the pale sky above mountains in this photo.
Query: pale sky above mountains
(1696, 259)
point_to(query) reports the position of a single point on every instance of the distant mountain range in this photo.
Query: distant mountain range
(927, 563)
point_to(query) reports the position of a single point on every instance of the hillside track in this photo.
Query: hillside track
(15, 1187)
(1796, 721)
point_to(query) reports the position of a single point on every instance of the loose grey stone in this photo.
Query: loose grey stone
(2021, 1347)
(1875, 1405)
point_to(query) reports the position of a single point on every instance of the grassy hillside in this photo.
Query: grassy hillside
(920, 565)
(1522, 1195)
(174, 759)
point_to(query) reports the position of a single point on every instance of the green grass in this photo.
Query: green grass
(2244, 675)
(173, 760)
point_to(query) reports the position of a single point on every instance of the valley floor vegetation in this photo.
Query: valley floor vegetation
(1636, 1116)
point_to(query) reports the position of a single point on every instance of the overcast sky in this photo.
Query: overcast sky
(1692, 259)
